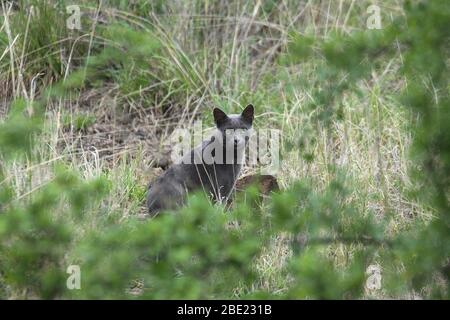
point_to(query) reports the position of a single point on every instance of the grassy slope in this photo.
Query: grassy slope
(208, 54)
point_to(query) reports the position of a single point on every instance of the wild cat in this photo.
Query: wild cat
(213, 166)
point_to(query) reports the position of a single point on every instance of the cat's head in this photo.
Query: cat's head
(235, 127)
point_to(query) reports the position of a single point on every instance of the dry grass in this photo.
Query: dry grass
(221, 53)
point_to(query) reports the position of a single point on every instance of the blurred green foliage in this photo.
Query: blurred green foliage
(203, 251)
(423, 41)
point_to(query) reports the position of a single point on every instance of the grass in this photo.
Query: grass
(153, 69)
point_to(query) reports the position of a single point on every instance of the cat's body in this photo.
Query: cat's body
(204, 168)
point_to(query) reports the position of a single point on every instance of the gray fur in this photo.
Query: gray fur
(170, 190)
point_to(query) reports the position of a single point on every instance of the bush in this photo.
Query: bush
(205, 251)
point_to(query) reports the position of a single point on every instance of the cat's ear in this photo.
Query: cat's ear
(219, 117)
(247, 114)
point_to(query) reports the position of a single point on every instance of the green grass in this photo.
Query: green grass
(133, 71)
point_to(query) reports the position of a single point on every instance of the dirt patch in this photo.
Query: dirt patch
(115, 132)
